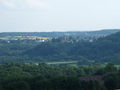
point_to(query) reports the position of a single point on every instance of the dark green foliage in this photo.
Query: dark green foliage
(18, 76)
(16, 85)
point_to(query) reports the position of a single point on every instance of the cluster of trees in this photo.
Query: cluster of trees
(12, 50)
(29, 76)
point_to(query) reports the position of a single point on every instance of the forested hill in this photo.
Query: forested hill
(58, 34)
(105, 49)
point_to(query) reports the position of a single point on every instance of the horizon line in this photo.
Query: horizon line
(58, 31)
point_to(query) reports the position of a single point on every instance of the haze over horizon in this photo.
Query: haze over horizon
(58, 15)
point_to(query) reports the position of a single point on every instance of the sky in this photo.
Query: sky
(58, 15)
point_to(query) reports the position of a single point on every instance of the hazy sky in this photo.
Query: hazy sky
(59, 15)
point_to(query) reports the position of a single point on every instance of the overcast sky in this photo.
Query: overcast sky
(58, 15)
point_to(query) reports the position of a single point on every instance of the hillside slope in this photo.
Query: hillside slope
(103, 50)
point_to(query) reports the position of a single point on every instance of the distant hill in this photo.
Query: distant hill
(105, 49)
(58, 34)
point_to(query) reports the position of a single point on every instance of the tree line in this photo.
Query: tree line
(29, 76)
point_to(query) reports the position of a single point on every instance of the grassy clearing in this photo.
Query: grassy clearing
(63, 62)
(23, 38)
(118, 66)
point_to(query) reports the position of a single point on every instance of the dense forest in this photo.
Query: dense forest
(101, 50)
(19, 76)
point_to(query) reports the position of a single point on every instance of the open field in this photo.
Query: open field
(63, 62)
(23, 38)
(118, 66)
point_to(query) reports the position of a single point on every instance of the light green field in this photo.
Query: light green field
(118, 66)
(64, 62)
(23, 37)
